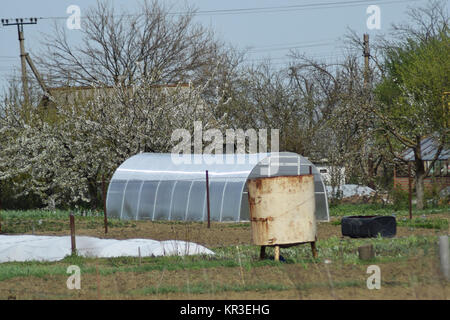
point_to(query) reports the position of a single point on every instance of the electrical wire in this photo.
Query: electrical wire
(291, 47)
(272, 9)
(301, 7)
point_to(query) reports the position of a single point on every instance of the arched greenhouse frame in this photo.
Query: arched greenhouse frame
(157, 186)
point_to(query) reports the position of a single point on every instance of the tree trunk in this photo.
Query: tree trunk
(371, 171)
(93, 193)
(420, 174)
(420, 190)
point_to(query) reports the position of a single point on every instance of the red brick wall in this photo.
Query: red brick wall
(441, 182)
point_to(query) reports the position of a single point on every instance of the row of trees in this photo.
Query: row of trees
(354, 118)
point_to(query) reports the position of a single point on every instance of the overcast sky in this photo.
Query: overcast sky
(269, 28)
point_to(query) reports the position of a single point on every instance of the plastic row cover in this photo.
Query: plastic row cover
(151, 186)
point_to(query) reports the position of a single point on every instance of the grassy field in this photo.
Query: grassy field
(409, 263)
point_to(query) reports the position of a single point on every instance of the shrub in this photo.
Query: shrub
(400, 198)
(431, 196)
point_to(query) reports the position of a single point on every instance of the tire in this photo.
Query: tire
(368, 226)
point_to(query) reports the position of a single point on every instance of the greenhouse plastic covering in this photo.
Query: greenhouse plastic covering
(156, 186)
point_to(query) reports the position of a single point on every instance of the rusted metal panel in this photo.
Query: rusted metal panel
(282, 210)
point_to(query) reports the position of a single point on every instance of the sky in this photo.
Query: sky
(265, 28)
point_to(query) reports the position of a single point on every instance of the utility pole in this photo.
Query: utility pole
(370, 160)
(366, 59)
(24, 57)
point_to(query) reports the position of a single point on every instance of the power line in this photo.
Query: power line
(324, 5)
(287, 58)
(273, 9)
(292, 47)
(288, 44)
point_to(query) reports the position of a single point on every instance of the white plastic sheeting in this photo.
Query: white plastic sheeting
(350, 190)
(52, 248)
(155, 186)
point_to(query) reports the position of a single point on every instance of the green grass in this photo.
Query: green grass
(345, 250)
(245, 256)
(433, 223)
(202, 288)
(238, 225)
(379, 209)
(57, 220)
(18, 222)
(335, 249)
(48, 214)
(29, 269)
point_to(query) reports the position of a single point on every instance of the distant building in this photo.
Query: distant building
(82, 94)
(439, 175)
(329, 172)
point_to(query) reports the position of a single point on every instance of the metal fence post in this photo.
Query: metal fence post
(104, 203)
(72, 234)
(207, 199)
(409, 191)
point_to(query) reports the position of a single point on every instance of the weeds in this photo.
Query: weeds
(243, 258)
(435, 223)
(382, 210)
(202, 288)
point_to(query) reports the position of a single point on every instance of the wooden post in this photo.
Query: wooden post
(262, 253)
(314, 249)
(98, 281)
(0, 210)
(444, 256)
(409, 190)
(36, 73)
(366, 252)
(207, 199)
(104, 203)
(139, 253)
(72, 234)
(277, 253)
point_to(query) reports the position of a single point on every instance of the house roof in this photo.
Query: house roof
(428, 147)
(70, 94)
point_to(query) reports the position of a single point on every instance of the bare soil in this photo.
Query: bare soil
(317, 281)
(220, 234)
(299, 281)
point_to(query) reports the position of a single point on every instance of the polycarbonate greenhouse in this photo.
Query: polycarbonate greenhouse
(155, 186)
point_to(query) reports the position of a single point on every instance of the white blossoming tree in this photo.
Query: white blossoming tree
(60, 153)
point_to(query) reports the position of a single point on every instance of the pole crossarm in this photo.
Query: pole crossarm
(24, 57)
(18, 21)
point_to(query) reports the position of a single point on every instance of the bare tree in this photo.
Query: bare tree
(425, 23)
(343, 130)
(261, 98)
(118, 48)
(413, 74)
